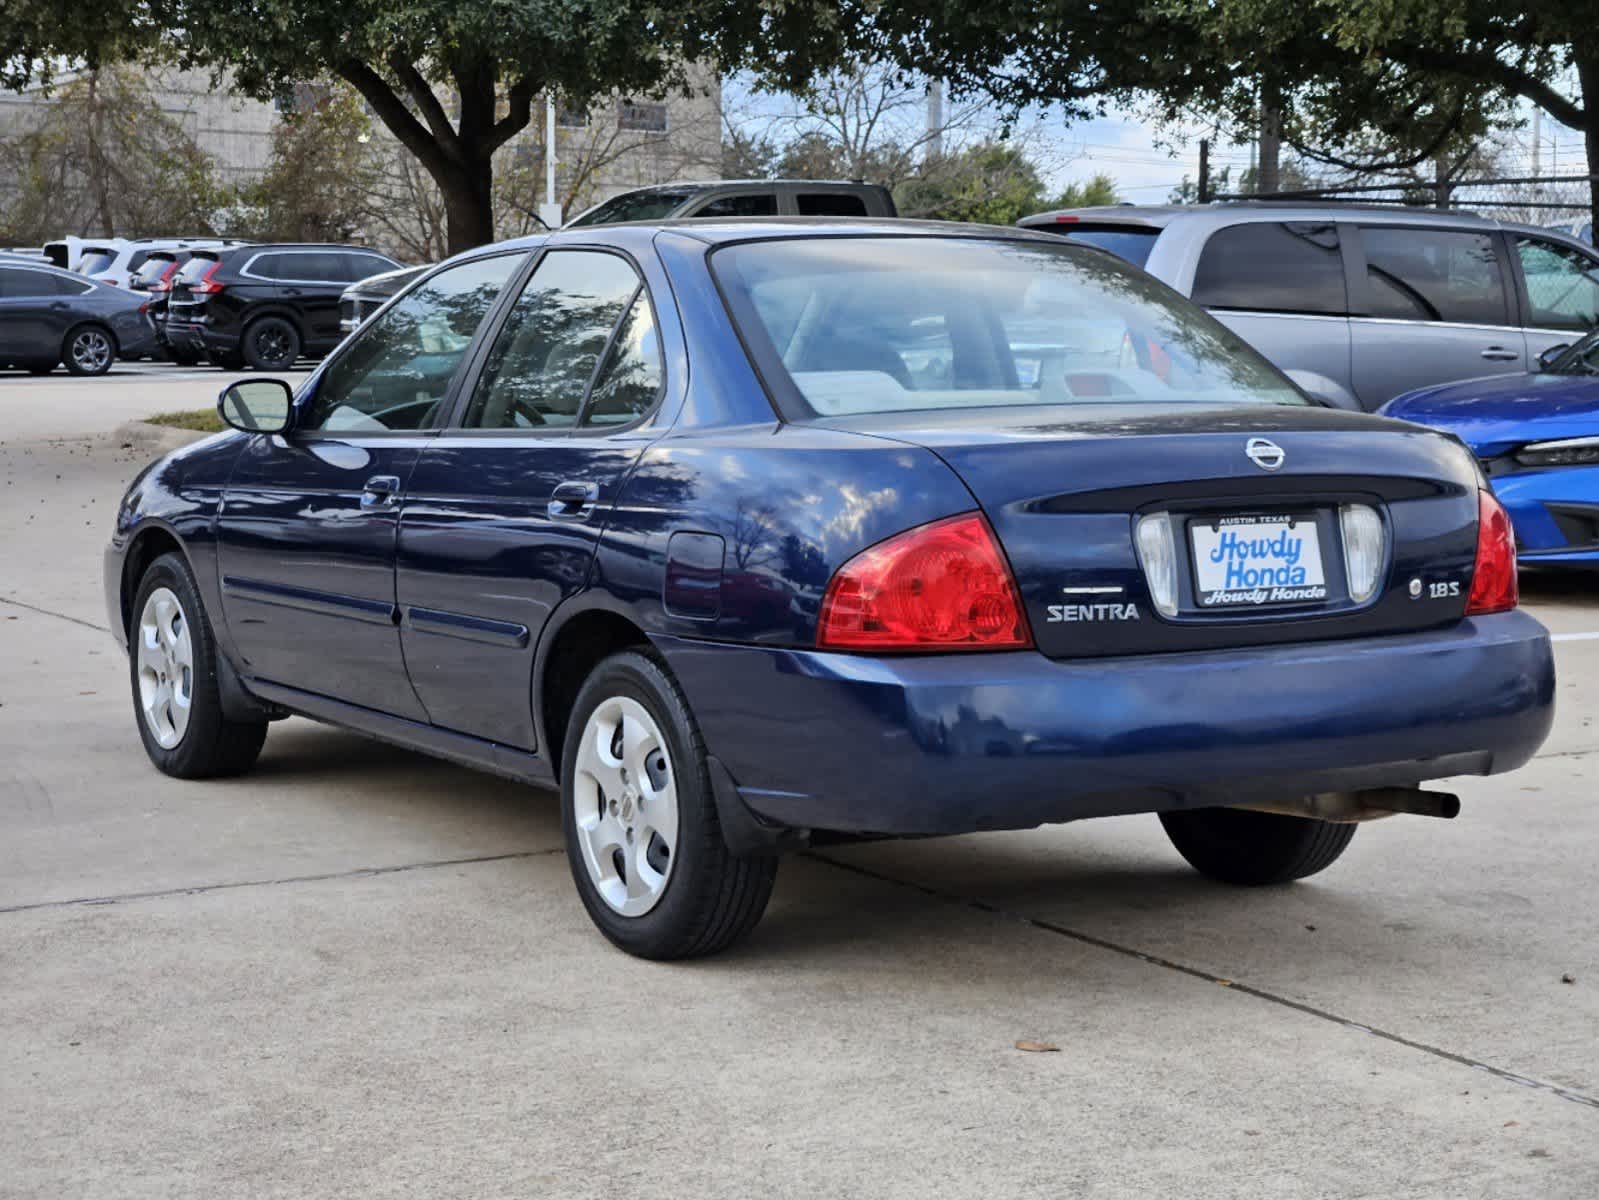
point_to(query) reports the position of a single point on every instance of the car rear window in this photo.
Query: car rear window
(96, 260)
(1130, 243)
(848, 326)
(151, 270)
(1270, 266)
(194, 270)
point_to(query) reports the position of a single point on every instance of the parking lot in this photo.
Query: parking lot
(358, 971)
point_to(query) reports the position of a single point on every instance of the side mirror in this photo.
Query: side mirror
(1548, 358)
(257, 405)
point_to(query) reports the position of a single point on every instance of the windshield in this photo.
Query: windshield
(648, 204)
(872, 325)
(96, 260)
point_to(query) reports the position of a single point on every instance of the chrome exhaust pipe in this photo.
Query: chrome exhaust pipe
(1372, 804)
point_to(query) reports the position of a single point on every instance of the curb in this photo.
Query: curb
(154, 440)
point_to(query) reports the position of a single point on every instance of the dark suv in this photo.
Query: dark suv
(264, 305)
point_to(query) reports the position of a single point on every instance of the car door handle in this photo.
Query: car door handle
(1500, 354)
(573, 501)
(380, 491)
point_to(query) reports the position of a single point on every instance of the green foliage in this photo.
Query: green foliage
(205, 420)
(1099, 190)
(992, 183)
(323, 175)
(103, 157)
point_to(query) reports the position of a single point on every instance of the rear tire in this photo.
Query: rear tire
(271, 344)
(1240, 846)
(634, 758)
(173, 662)
(89, 350)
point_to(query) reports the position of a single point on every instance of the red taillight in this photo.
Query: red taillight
(943, 586)
(1493, 583)
(164, 284)
(206, 286)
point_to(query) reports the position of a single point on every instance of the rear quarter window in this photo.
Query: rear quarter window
(1270, 266)
(1128, 244)
(830, 204)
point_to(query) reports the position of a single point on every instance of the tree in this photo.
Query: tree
(992, 183)
(1101, 189)
(323, 175)
(452, 80)
(102, 156)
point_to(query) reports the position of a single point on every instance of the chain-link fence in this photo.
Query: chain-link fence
(1528, 199)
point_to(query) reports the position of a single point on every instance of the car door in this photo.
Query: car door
(505, 508)
(307, 527)
(312, 281)
(1281, 286)
(34, 314)
(1559, 292)
(1432, 305)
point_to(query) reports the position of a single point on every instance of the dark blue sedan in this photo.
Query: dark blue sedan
(1537, 436)
(48, 317)
(745, 534)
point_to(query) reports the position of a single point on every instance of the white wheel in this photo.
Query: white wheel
(166, 668)
(625, 806)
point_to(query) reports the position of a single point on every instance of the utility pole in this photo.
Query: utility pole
(1204, 170)
(935, 120)
(550, 210)
(1269, 180)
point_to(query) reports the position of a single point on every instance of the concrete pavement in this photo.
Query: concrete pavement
(361, 971)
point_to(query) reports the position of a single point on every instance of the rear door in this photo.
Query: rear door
(1559, 292)
(1281, 286)
(32, 315)
(1433, 305)
(312, 281)
(505, 509)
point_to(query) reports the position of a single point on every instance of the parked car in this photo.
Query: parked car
(705, 530)
(65, 252)
(360, 300)
(154, 280)
(1357, 305)
(732, 198)
(118, 260)
(1537, 437)
(264, 305)
(1581, 229)
(49, 316)
(29, 254)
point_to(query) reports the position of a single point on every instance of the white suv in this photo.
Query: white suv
(117, 260)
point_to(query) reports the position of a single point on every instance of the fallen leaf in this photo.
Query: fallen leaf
(1511, 1124)
(1568, 978)
(1037, 1047)
(1539, 1154)
(1312, 928)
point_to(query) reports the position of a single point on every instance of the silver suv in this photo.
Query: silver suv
(1360, 304)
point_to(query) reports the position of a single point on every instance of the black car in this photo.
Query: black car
(264, 305)
(49, 316)
(361, 300)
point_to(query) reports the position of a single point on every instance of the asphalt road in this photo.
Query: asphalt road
(358, 971)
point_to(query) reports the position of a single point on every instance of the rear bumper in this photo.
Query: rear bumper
(196, 337)
(958, 743)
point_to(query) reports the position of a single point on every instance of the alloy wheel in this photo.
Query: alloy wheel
(166, 668)
(625, 796)
(91, 351)
(272, 346)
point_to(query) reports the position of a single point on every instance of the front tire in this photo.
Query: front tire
(642, 835)
(89, 350)
(173, 661)
(1236, 845)
(271, 344)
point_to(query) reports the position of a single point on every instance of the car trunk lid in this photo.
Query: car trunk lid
(1064, 489)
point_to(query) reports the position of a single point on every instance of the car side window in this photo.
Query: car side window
(355, 267)
(1433, 275)
(1270, 266)
(396, 371)
(312, 266)
(830, 204)
(266, 266)
(65, 286)
(629, 381)
(21, 285)
(747, 204)
(1562, 285)
(542, 362)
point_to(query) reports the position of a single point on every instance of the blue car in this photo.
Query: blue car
(751, 534)
(1537, 437)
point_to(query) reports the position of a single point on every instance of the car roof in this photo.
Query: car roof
(1214, 216)
(717, 230)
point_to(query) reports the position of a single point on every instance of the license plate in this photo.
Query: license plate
(1244, 562)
